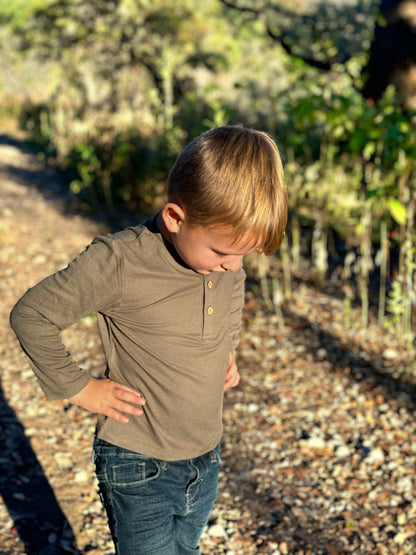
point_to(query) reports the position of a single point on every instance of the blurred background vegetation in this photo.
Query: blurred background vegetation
(111, 90)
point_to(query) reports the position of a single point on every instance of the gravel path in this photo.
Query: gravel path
(319, 445)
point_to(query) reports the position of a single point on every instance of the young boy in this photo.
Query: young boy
(168, 296)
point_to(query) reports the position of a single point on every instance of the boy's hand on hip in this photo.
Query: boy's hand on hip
(109, 398)
(232, 377)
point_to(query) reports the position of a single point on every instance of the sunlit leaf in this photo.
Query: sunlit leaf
(398, 211)
(369, 150)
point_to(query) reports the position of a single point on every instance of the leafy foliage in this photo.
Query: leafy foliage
(131, 81)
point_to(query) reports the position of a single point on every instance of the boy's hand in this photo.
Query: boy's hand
(232, 377)
(109, 398)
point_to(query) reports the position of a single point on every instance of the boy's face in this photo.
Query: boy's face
(211, 249)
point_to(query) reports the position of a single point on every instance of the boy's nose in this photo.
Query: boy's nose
(233, 264)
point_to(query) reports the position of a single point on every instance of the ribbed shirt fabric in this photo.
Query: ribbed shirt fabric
(166, 330)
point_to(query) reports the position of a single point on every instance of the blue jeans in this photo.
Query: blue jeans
(156, 507)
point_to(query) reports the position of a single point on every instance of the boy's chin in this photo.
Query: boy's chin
(205, 272)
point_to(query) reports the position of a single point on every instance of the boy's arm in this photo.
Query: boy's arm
(232, 377)
(237, 303)
(92, 282)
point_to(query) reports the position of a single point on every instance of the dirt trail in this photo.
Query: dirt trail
(45, 480)
(318, 452)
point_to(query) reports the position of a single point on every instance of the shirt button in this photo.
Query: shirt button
(209, 284)
(210, 310)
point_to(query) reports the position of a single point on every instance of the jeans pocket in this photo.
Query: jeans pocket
(135, 472)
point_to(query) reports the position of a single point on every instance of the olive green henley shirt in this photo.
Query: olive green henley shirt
(166, 330)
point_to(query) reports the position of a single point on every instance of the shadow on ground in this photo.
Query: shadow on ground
(371, 372)
(27, 494)
(52, 184)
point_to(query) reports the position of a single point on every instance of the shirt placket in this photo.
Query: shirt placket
(209, 307)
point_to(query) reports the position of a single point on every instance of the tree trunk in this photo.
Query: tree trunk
(393, 52)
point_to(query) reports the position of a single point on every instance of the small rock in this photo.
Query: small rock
(315, 443)
(400, 538)
(217, 531)
(80, 476)
(40, 259)
(343, 451)
(375, 456)
(404, 484)
(390, 354)
(401, 519)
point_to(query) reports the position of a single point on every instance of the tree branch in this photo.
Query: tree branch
(240, 8)
(323, 66)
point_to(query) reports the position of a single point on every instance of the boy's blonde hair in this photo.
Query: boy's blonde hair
(233, 176)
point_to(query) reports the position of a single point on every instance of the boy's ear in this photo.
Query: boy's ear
(173, 216)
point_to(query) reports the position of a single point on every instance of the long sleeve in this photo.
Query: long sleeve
(237, 303)
(89, 283)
